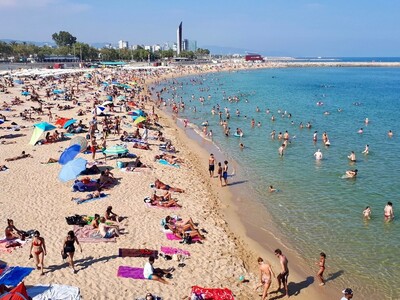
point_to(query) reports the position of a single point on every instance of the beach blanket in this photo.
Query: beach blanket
(54, 291)
(90, 200)
(172, 251)
(12, 276)
(162, 207)
(164, 162)
(122, 252)
(7, 246)
(213, 294)
(87, 234)
(129, 272)
(173, 237)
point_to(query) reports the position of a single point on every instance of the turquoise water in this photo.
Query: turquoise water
(316, 209)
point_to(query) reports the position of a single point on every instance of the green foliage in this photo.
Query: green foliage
(201, 51)
(63, 38)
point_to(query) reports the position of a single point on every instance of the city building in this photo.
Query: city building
(123, 44)
(185, 45)
(192, 46)
(179, 40)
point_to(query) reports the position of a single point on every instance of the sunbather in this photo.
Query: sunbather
(23, 155)
(141, 146)
(161, 201)
(171, 159)
(12, 232)
(155, 274)
(110, 215)
(162, 186)
(50, 161)
(106, 180)
(108, 231)
(95, 194)
(184, 233)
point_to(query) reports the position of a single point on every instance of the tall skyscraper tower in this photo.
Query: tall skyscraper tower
(179, 40)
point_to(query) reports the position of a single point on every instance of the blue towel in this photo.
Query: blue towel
(14, 275)
(164, 162)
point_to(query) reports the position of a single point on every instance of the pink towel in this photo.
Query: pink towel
(173, 237)
(171, 251)
(87, 234)
(129, 272)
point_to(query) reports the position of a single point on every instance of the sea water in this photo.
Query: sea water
(316, 208)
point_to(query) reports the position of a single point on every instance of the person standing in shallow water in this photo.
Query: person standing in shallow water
(321, 264)
(225, 172)
(211, 165)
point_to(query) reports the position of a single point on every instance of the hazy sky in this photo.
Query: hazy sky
(281, 27)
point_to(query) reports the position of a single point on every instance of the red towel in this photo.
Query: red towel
(213, 294)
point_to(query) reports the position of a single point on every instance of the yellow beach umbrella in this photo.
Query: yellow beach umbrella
(139, 119)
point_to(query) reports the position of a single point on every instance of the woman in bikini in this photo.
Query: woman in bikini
(12, 232)
(69, 248)
(38, 250)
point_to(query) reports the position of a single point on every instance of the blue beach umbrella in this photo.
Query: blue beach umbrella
(69, 154)
(25, 93)
(140, 112)
(72, 169)
(18, 81)
(69, 123)
(45, 126)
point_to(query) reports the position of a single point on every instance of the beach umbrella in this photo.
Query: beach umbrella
(140, 112)
(69, 123)
(18, 81)
(117, 149)
(72, 169)
(25, 93)
(107, 103)
(61, 121)
(99, 109)
(139, 119)
(45, 126)
(69, 154)
(81, 141)
(38, 131)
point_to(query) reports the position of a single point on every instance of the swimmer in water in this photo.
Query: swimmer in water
(281, 149)
(388, 212)
(315, 138)
(271, 189)
(366, 150)
(366, 121)
(241, 146)
(318, 154)
(259, 124)
(360, 131)
(352, 156)
(351, 173)
(272, 134)
(367, 213)
(390, 134)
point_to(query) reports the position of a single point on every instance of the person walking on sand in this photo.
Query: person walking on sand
(283, 276)
(266, 274)
(93, 147)
(321, 264)
(211, 165)
(388, 212)
(225, 172)
(69, 248)
(38, 251)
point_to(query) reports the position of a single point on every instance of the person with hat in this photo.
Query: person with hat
(348, 294)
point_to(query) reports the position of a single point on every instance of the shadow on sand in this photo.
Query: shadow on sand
(333, 276)
(81, 264)
(294, 288)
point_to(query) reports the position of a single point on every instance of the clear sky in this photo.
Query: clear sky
(280, 27)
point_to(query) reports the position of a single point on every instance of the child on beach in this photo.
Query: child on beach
(321, 264)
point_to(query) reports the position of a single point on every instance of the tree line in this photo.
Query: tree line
(67, 44)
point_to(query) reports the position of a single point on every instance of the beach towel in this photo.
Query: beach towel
(90, 200)
(172, 251)
(213, 294)
(87, 234)
(164, 162)
(54, 291)
(17, 293)
(12, 276)
(129, 272)
(7, 246)
(162, 207)
(122, 252)
(172, 237)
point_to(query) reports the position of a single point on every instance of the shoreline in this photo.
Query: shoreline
(234, 210)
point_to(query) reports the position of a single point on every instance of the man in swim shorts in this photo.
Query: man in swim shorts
(225, 172)
(211, 165)
(266, 273)
(154, 274)
(283, 276)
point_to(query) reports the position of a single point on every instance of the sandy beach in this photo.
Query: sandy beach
(35, 198)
